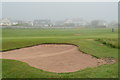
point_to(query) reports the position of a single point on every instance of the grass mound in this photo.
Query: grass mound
(110, 42)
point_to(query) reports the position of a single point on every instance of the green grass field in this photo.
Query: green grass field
(99, 42)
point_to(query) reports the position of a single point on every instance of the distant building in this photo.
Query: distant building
(24, 23)
(76, 22)
(5, 22)
(99, 23)
(113, 24)
(42, 23)
(14, 23)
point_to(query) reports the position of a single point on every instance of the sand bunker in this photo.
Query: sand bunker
(54, 57)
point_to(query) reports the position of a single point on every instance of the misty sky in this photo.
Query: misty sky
(60, 10)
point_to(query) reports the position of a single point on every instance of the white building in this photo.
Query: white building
(76, 21)
(5, 22)
(42, 23)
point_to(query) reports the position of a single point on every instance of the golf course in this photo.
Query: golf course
(100, 43)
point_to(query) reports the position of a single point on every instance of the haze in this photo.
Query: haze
(60, 10)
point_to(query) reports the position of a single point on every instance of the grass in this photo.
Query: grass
(110, 42)
(17, 69)
(89, 40)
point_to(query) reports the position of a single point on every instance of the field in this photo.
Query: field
(99, 42)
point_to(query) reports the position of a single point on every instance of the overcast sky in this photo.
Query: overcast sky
(60, 10)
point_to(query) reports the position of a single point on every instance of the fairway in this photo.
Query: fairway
(99, 43)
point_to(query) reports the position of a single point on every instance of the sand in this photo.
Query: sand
(57, 58)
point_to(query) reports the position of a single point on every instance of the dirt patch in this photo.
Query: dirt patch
(90, 39)
(57, 58)
(76, 34)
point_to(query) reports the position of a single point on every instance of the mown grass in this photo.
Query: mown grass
(17, 69)
(85, 39)
(59, 33)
